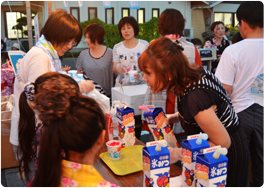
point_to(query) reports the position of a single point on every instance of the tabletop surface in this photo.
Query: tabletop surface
(131, 180)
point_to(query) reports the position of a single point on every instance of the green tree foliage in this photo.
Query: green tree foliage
(147, 31)
(23, 22)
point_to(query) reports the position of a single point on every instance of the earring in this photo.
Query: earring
(169, 79)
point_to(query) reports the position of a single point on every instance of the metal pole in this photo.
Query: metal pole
(50, 7)
(29, 23)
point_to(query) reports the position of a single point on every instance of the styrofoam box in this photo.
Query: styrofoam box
(133, 96)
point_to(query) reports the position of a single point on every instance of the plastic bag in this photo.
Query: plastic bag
(99, 99)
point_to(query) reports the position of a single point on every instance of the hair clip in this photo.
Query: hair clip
(29, 89)
(179, 45)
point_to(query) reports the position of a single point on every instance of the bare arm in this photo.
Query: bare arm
(210, 124)
(114, 68)
(228, 89)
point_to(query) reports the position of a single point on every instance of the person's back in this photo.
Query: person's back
(240, 65)
(246, 65)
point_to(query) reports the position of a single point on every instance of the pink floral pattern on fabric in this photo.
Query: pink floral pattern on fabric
(67, 182)
(107, 184)
(215, 44)
(7, 80)
(75, 166)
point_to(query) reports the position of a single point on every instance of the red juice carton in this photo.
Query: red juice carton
(156, 164)
(155, 118)
(126, 125)
(190, 149)
(211, 167)
(109, 128)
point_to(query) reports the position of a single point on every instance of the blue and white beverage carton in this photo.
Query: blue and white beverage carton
(191, 147)
(211, 167)
(126, 125)
(155, 118)
(156, 164)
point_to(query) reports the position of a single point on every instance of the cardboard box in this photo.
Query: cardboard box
(189, 152)
(126, 126)
(8, 157)
(133, 96)
(156, 122)
(211, 172)
(156, 166)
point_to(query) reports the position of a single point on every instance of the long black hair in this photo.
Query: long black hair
(27, 123)
(72, 122)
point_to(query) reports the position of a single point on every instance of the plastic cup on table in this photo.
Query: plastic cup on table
(114, 149)
(80, 76)
(73, 74)
(132, 75)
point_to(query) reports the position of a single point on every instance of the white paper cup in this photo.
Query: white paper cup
(73, 73)
(114, 149)
(132, 75)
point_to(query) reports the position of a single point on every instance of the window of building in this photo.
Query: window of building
(141, 15)
(155, 12)
(75, 11)
(109, 15)
(125, 12)
(92, 13)
(226, 18)
(10, 20)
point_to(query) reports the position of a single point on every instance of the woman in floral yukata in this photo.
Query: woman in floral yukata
(218, 42)
(73, 132)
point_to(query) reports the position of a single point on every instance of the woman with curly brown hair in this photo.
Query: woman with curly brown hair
(66, 117)
(203, 104)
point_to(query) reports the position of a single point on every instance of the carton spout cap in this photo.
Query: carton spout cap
(143, 107)
(161, 143)
(202, 136)
(117, 103)
(219, 151)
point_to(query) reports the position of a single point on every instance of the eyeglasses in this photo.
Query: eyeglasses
(71, 43)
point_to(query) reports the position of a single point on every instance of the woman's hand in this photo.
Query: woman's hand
(86, 86)
(175, 154)
(211, 125)
(118, 68)
(172, 118)
(66, 68)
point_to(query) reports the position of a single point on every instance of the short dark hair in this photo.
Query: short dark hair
(252, 13)
(171, 21)
(196, 41)
(227, 29)
(216, 24)
(96, 33)
(61, 27)
(128, 20)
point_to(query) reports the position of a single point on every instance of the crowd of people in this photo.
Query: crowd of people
(48, 102)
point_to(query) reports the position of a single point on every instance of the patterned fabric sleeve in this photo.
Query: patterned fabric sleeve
(115, 54)
(106, 184)
(207, 44)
